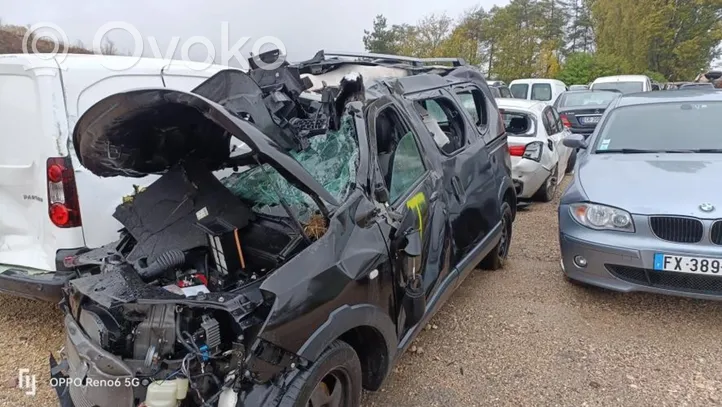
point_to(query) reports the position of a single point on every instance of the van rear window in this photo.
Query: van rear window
(541, 91)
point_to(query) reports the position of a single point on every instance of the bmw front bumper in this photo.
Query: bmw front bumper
(623, 261)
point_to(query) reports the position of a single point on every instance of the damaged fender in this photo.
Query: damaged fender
(346, 274)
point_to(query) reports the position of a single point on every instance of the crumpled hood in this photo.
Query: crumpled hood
(148, 131)
(653, 183)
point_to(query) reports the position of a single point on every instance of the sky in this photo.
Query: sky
(304, 27)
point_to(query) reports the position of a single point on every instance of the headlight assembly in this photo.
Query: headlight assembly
(602, 217)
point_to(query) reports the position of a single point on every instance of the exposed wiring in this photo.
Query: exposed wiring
(240, 251)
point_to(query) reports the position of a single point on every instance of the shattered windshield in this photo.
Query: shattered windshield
(331, 159)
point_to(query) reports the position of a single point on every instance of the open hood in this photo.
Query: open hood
(148, 131)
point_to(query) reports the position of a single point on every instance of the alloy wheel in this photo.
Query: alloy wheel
(504, 241)
(332, 391)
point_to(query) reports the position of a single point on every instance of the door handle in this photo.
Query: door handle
(434, 196)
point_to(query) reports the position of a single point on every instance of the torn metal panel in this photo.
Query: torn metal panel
(240, 93)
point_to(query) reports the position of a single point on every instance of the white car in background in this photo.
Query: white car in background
(623, 83)
(544, 90)
(539, 158)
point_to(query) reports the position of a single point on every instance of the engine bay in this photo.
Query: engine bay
(178, 295)
(189, 234)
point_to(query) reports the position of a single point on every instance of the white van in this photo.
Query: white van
(545, 90)
(623, 83)
(51, 205)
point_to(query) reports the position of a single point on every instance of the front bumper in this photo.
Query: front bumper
(85, 360)
(45, 287)
(84, 357)
(623, 261)
(528, 176)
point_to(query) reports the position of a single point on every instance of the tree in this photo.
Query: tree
(470, 38)
(676, 38)
(578, 69)
(669, 39)
(380, 39)
(108, 48)
(432, 31)
(517, 42)
(580, 33)
(406, 40)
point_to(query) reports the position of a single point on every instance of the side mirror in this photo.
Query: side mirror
(575, 141)
(412, 243)
(381, 193)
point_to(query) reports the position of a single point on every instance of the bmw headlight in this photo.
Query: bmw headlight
(602, 217)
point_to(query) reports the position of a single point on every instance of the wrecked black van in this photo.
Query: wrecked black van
(297, 241)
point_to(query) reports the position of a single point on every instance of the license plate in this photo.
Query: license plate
(687, 264)
(589, 119)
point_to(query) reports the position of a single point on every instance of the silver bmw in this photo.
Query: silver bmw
(644, 209)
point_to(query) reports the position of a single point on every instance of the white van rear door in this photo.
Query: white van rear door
(33, 128)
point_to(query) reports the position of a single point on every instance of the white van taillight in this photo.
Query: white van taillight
(63, 205)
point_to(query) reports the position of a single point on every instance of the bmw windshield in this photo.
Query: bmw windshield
(673, 127)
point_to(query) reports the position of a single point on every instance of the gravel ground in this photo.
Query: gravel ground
(521, 336)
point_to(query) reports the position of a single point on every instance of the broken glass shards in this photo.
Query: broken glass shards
(331, 159)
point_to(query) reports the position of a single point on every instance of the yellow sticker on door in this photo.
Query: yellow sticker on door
(415, 203)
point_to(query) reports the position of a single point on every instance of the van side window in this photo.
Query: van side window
(445, 122)
(473, 100)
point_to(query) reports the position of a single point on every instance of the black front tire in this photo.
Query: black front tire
(338, 365)
(497, 257)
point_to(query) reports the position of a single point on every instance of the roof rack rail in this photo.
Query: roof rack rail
(396, 58)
